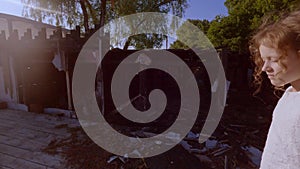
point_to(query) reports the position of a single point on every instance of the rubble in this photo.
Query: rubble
(237, 143)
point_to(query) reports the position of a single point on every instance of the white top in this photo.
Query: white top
(282, 150)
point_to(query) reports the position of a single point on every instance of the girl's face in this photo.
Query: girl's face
(277, 74)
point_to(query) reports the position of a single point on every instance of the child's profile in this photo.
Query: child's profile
(276, 51)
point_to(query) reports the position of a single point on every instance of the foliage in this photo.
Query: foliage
(232, 31)
(88, 13)
(244, 17)
(188, 35)
(144, 41)
(224, 32)
(63, 13)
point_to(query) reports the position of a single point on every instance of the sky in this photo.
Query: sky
(198, 9)
(205, 9)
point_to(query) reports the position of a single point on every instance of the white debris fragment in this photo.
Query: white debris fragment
(113, 158)
(210, 144)
(192, 135)
(254, 154)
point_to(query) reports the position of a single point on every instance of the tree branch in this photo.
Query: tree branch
(163, 3)
(92, 11)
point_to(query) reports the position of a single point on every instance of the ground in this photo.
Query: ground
(40, 141)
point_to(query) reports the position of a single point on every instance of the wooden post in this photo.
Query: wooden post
(64, 62)
(68, 90)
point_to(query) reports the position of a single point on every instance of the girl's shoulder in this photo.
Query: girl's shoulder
(290, 97)
(291, 90)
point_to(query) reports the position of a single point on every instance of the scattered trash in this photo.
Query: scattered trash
(112, 158)
(237, 143)
(210, 144)
(254, 154)
(58, 112)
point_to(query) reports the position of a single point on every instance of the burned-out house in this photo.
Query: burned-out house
(26, 69)
(37, 62)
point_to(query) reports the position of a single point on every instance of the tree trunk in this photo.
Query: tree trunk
(103, 13)
(85, 16)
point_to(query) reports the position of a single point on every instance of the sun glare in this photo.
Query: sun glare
(18, 2)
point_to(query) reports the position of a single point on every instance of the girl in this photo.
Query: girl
(276, 52)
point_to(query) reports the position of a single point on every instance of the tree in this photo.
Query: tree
(88, 13)
(126, 7)
(188, 36)
(227, 32)
(243, 18)
(64, 13)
